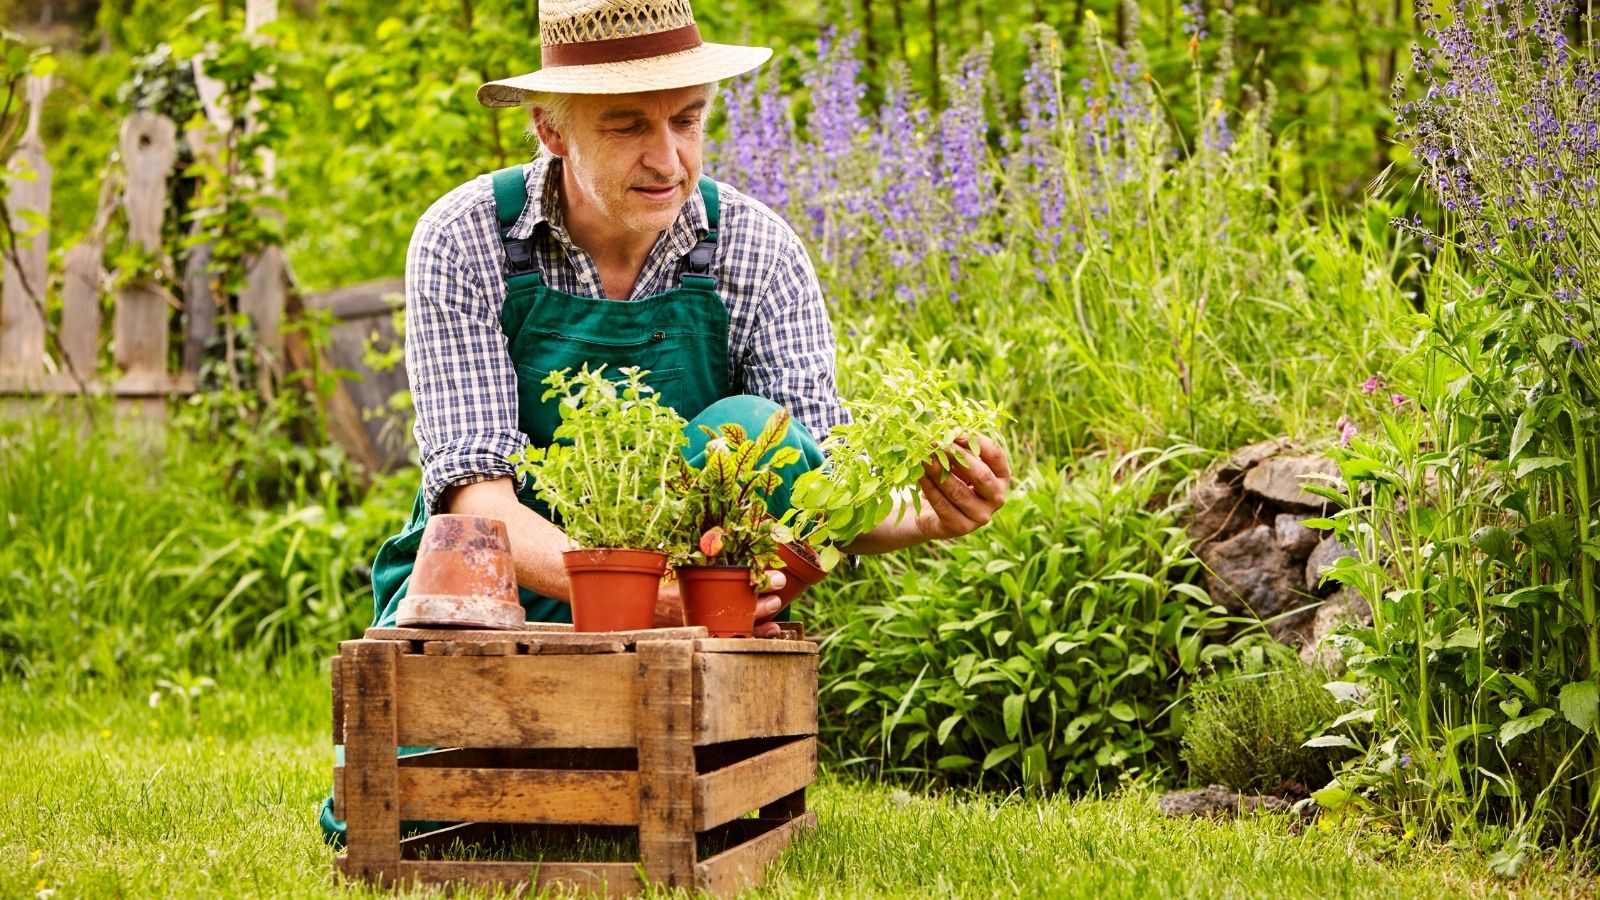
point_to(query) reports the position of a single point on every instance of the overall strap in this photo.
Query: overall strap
(510, 197)
(697, 265)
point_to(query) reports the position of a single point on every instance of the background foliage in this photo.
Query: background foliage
(1149, 232)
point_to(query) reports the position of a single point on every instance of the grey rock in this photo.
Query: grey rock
(1250, 573)
(1328, 551)
(1345, 607)
(1296, 539)
(1217, 510)
(1218, 802)
(1279, 479)
(1243, 459)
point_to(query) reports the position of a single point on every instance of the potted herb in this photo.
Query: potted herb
(727, 517)
(607, 476)
(913, 414)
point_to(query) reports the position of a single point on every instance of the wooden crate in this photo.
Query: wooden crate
(546, 733)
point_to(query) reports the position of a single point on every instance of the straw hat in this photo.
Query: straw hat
(619, 47)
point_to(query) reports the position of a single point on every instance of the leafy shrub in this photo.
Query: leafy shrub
(118, 562)
(1246, 728)
(1046, 649)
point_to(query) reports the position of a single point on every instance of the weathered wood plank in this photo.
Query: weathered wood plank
(143, 308)
(359, 301)
(736, 868)
(516, 701)
(22, 293)
(666, 762)
(370, 801)
(728, 793)
(749, 695)
(469, 648)
(600, 879)
(153, 384)
(536, 634)
(538, 796)
(337, 683)
(262, 300)
(80, 309)
(753, 645)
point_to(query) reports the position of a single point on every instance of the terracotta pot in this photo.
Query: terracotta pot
(463, 576)
(801, 569)
(719, 597)
(614, 589)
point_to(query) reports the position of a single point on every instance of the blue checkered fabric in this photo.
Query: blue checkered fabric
(780, 341)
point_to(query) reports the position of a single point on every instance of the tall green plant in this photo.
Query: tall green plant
(1473, 504)
(616, 455)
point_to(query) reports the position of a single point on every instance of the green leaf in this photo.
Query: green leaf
(1332, 797)
(1516, 728)
(948, 725)
(1012, 708)
(1121, 711)
(954, 761)
(1331, 740)
(1552, 538)
(1346, 691)
(1580, 703)
(1000, 754)
(1533, 464)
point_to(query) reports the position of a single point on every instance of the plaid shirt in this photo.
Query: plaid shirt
(780, 341)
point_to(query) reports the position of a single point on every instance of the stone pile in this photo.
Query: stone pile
(1246, 518)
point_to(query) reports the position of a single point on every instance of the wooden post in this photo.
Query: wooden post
(149, 144)
(666, 762)
(267, 282)
(21, 325)
(80, 314)
(371, 803)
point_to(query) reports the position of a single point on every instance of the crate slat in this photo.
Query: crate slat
(370, 804)
(464, 701)
(666, 762)
(533, 796)
(753, 645)
(750, 695)
(602, 879)
(730, 792)
(730, 871)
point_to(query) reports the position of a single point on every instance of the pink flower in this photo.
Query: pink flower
(1372, 385)
(1398, 400)
(1347, 430)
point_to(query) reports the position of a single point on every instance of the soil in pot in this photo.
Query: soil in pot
(719, 597)
(801, 569)
(614, 589)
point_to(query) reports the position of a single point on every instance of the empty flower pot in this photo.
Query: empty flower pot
(463, 577)
(719, 597)
(614, 589)
(801, 569)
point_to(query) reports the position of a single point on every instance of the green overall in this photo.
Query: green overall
(680, 336)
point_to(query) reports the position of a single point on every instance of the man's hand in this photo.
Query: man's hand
(966, 497)
(669, 606)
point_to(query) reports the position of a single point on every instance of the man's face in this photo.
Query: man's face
(636, 157)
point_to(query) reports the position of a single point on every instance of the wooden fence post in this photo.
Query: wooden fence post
(149, 144)
(21, 325)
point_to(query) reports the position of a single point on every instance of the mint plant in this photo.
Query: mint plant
(727, 495)
(615, 454)
(915, 414)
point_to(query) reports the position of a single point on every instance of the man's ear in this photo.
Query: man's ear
(553, 140)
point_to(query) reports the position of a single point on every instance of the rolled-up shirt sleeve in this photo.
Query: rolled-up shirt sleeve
(463, 384)
(790, 360)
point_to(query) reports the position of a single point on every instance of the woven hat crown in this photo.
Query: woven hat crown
(581, 21)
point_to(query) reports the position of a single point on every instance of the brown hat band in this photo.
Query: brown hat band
(623, 49)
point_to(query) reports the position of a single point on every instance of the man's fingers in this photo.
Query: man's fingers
(945, 506)
(994, 456)
(979, 476)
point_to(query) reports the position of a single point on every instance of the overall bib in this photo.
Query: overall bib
(680, 336)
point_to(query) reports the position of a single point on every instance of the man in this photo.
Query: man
(611, 249)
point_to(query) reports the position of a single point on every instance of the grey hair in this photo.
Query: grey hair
(557, 111)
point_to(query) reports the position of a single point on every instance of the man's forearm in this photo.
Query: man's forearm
(536, 543)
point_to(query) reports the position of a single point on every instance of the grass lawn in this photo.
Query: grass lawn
(105, 796)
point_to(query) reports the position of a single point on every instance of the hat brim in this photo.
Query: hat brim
(702, 65)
